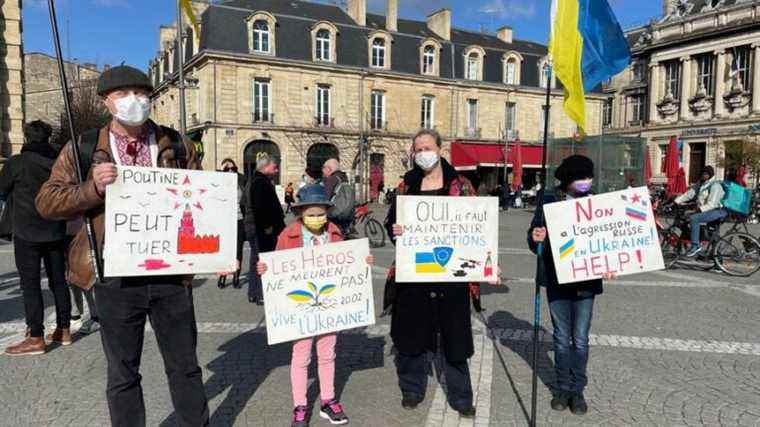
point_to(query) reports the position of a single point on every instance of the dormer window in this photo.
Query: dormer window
(378, 53)
(261, 33)
(473, 64)
(380, 50)
(429, 62)
(323, 36)
(512, 62)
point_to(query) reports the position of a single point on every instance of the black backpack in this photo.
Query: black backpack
(88, 140)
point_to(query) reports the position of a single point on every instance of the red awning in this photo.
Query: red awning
(468, 156)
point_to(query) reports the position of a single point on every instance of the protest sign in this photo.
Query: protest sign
(170, 221)
(317, 290)
(447, 239)
(609, 233)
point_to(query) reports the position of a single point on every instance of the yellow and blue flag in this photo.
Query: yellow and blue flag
(587, 47)
(188, 8)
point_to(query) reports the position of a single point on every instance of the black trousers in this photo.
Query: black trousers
(123, 309)
(28, 256)
(263, 243)
(413, 370)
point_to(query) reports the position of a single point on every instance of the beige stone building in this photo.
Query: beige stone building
(43, 99)
(695, 76)
(305, 81)
(11, 77)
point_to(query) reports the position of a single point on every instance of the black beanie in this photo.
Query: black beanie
(574, 168)
(709, 170)
(37, 131)
(122, 76)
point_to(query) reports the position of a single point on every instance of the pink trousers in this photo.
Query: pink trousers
(299, 368)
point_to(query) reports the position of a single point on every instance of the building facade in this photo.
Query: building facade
(11, 77)
(43, 99)
(306, 81)
(695, 76)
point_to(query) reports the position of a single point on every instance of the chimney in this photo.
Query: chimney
(391, 15)
(439, 22)
(357, 10)
(166, 36)
(505, 34)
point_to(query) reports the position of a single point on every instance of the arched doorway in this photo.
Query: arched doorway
(253, 149)
(319, 153)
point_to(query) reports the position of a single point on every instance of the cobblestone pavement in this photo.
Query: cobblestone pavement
(668, 348)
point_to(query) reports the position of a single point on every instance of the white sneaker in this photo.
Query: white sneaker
(76, 324)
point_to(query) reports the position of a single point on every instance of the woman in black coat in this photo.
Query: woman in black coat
(426, 316)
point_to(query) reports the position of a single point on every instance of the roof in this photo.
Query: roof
(695, 7)
(225, 30)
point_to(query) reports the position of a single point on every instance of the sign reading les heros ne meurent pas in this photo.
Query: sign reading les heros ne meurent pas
(608, 233)
(447, 239)
(169, 222)
(317, 290)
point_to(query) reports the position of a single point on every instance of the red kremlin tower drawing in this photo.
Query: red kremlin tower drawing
(190, 243)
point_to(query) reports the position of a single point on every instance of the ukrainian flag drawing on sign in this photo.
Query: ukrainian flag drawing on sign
(587, 47)
(433, 262)
(567, 249)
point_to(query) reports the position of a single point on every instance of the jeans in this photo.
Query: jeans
(704, 218)
(28, 256)
(412, 378)
(299, 368)
(123, 310)
(79, 296)
(571, 318)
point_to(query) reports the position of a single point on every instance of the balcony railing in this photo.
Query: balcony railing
(260, 117)
(324, 122)
(473, 132)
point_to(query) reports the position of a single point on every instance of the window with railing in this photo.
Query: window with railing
(705, 79)
(428, 114)
(607, 113)
(261, 101)
(472, 117)
(509, 116)
(741, 66)
(673, 78)
(637, 108)
(323, 106)
(377, 110)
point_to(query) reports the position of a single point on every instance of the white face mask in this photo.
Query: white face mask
(132, 110)
(426, 159)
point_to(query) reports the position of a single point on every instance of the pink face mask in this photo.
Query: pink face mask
(582, 186)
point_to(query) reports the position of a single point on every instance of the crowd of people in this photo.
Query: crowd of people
(48, 204)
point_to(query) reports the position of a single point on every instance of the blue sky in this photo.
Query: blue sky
(116, 31)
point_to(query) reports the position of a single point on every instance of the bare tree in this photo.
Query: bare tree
(87, 110)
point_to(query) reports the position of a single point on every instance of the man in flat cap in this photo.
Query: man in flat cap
(125, 303)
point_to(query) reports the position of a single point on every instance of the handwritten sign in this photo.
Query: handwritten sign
(609, 233)
(317, 290)
(170, 221)
(447, 239)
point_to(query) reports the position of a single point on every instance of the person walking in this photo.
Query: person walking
(229, 166)
(340, 193)
(126, 303)
(432, 317)
(264, 220)
(36, 239)
(311, 228)
(289, 197)
(570, 305)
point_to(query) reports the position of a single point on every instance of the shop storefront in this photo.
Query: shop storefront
(483, 164)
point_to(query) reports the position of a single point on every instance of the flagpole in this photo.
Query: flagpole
(94, 255)
(540, 249)
(181, 68)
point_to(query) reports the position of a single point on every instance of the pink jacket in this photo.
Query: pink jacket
(292, 236)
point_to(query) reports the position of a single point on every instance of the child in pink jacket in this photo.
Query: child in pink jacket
(312, 229)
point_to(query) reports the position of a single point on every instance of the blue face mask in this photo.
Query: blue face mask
(581, 186)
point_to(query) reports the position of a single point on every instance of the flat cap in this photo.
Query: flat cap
(123, 76)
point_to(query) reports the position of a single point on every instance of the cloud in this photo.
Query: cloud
(504, 9)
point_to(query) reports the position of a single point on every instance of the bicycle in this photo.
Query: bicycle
(735, 252)
(373, 229)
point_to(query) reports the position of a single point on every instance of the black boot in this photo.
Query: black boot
(236, 280)
(222, 282)
(560, 401)
(410, 401)
(578, 405)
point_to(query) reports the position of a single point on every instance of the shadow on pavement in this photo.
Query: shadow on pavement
(502, 321)
(354, 352)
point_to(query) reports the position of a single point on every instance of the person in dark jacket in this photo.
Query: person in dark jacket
(265, 220)
(427, 317)
(571, 305)
(332, 177)
(35, 239)
(229, 165)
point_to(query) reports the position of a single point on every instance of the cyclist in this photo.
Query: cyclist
(708, 193)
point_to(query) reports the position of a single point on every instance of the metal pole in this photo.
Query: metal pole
(94, 255)
(181, 62)
(540, 249)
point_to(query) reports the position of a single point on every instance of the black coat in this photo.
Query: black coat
(21, 179)
(421, 310)
(547, 275)
(265, 210)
